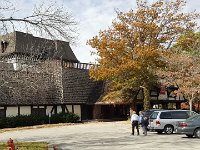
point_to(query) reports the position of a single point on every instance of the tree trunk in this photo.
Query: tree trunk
(146, 98)
(190, 101)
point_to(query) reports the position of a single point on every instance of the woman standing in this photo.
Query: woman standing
(144, 122)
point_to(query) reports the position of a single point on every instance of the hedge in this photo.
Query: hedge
(30, 120)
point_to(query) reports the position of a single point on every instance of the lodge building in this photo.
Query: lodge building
(42, 76)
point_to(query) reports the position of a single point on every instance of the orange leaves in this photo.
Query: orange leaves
(132, 50)
(120, 27)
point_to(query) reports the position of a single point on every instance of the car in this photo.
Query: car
(190, 127)
(166, 120)
(147, 113)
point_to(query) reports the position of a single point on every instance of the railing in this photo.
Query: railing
(31, 60)
(78, 65)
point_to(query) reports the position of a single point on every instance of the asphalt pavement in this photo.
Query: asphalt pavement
(101, 136)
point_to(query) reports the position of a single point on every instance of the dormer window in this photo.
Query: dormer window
(4, 45)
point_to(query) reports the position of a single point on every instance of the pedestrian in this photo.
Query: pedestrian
(140, 117)
(134, 121)
(143, 121)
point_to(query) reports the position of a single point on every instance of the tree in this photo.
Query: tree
(188, 43)
(131, 51)
(52, 21)
(184, 69)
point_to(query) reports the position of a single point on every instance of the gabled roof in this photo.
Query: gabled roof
(27, 44)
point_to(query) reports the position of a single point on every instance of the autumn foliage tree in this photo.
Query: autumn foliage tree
(184, 69)
(131, 51)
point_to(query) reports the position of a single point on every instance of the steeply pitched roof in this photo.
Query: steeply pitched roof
(27, 44)
(25, 88)
(44, 88)
(79, 88)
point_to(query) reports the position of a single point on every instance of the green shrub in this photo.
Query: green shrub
(30, 120)
(64, 118)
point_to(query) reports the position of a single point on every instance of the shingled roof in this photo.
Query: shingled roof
(27, 44)
(79, 88)
(48, 81)
(43, 88)
(26, 88)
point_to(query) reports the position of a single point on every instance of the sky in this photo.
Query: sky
(92, 16)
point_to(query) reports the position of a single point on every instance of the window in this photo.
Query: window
(165, 115)
(2, 113)
(38, 111)
(193, 118)
(179, 115)
(154, 115)
(148, 113)
(4, 45)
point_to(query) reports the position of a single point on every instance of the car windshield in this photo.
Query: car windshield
(193, 118)
(154, 115)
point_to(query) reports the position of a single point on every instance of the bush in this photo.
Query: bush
(64, 118)
(30, 120)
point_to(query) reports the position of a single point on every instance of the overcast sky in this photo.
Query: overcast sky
(92, 16)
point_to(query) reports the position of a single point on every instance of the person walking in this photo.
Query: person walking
(143, 121)
(134, 121)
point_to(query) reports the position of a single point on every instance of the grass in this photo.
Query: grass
(26, 145)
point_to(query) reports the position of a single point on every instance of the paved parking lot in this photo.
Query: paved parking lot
(102, 135)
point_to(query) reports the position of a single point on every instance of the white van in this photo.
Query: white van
(166, 120)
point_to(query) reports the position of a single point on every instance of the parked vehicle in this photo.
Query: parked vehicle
(147, 113)
(166, 120)
(190, 127)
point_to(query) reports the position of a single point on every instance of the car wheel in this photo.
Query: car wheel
(189, 135)
(168, 129)
(197, 133)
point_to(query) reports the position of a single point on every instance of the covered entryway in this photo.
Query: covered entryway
(111, 111)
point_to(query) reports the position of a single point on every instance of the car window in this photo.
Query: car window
(179, 115)
(154, 115)
(192, 113)
(165, 115)
(147, 113)
(193, 118)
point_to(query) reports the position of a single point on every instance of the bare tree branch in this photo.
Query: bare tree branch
(50, 21)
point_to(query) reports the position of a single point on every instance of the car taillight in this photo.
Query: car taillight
(183, 125)
(157, 122)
